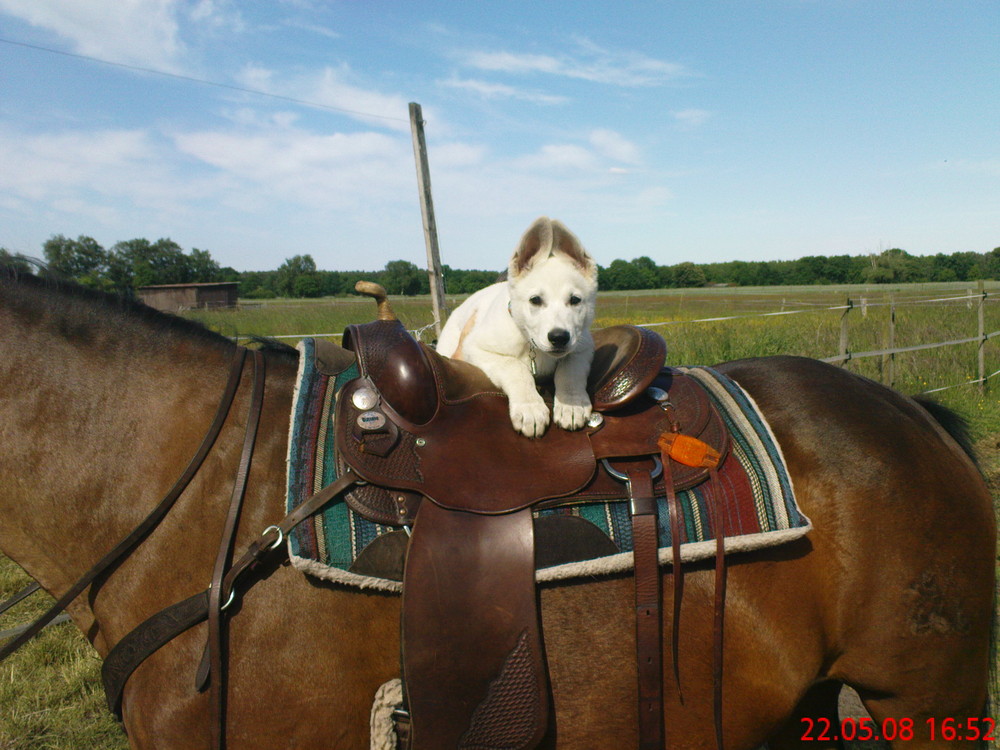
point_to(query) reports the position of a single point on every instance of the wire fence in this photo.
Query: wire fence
(975, 301)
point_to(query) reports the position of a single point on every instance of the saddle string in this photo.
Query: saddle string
(130, 542)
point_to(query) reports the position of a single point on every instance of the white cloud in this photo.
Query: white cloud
(456, 155)
(334, 88)
(489, 90)
(614, 146)
(559, 157)
(692, 118)
(142, 32)
(43, 166)
(589, 62)
(322, 171)
(217, 15)
(98, 175)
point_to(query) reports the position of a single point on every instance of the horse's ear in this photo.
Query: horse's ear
(565, 242)
(537, 241)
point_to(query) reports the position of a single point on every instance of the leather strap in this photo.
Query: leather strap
(146, 639)
(20, 596)
(676, 571)
(216, 592)
(130, 542)
(719, 522)
(648, 618)
(166, 625)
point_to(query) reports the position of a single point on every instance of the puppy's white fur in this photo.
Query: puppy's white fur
(541, 314)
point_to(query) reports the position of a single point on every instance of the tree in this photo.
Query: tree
(203, 269)
(893, 266)
(307, 285)
(82, 259)
(622, 274)
(646, 272)
(13, 261)
(139, 262)
(402, 277)
(289, 271)
(688, 275)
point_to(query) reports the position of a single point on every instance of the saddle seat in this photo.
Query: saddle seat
(417, 425)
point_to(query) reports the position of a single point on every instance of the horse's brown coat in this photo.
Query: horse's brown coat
(101, 407)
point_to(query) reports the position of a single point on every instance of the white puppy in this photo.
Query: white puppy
(534, 325)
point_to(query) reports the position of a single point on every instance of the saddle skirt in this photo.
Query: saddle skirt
(582, 523)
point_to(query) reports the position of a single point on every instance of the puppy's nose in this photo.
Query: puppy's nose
(559, 337)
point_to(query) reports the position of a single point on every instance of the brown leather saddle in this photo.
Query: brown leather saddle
(432, 439)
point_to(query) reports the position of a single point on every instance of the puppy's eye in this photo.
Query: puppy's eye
(536, 301)
(574, 300)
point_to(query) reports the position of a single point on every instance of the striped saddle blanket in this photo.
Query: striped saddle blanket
(752, 491)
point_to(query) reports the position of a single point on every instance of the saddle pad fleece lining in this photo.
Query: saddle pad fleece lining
(757, 500)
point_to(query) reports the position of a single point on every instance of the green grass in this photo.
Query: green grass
(50, 691)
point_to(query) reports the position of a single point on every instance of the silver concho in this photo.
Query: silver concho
(657, 394)
(364, 398)
(596, 419)
(371, 420)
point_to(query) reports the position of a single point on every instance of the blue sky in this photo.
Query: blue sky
(684, 131)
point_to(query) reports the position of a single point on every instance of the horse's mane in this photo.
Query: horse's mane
(61, 294)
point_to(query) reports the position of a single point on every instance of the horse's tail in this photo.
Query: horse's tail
(953, 423)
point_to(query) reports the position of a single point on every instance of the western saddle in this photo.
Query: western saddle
(431, 439)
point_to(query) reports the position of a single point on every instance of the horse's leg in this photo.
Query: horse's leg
(771, 657)
(922, 655)
(305, 660)
(815, 722)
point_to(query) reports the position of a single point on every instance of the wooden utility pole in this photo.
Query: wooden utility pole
(427, 212)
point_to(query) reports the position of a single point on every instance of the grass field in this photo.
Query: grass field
(50, 691)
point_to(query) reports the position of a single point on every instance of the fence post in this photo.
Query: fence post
(982, 337)
(889, 360)
(438, 304)
(843, 334)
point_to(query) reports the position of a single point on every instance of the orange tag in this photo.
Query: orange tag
(688, 450)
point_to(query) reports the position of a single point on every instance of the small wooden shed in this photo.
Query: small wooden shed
(175, 297)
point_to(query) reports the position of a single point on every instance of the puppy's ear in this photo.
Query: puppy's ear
(565, 242)
(536, 242)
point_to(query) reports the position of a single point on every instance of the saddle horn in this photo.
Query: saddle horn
(377, 292)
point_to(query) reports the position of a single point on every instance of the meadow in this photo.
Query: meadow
(50, 691)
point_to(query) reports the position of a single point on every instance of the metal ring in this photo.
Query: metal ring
(229, 601)
(623, 477)
(279, 540)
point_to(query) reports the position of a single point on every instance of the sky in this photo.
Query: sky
(683, 131)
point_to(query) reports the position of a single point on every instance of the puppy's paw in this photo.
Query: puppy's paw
(571, 414)
(530, 418)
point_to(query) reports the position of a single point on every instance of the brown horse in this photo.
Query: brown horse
(102, 404)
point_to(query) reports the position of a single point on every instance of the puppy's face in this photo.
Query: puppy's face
(553, 304)
(553, 288)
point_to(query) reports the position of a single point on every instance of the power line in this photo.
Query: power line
(203, 81)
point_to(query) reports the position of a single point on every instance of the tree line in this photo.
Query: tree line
(135, 263)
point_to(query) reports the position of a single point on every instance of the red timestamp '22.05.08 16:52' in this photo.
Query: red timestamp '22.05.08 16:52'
(903, 729)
